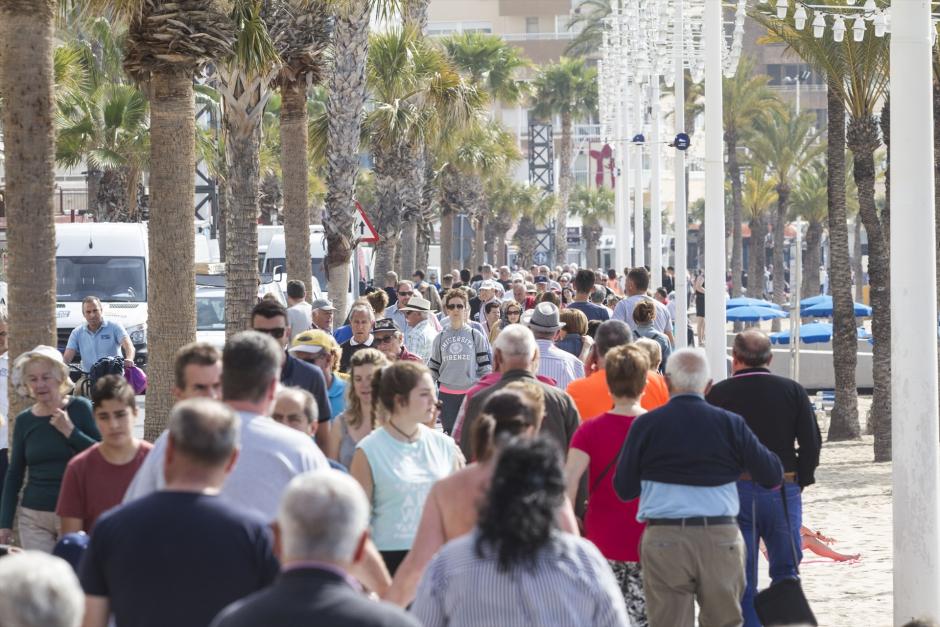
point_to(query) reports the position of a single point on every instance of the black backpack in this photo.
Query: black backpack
(104, 367)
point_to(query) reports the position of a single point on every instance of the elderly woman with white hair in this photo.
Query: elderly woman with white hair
(45, 437)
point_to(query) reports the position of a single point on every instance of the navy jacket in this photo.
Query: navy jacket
(311, 596)
(689, 442)
(297, 373)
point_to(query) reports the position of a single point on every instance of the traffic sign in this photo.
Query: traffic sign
(362, 227)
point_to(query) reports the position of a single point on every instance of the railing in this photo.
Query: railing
(538, 36)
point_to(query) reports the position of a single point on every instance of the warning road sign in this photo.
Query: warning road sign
(362, 227)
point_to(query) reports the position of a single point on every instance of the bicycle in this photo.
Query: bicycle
(81, 380)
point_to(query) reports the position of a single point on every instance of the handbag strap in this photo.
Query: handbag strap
(601, 476)
(786, 514)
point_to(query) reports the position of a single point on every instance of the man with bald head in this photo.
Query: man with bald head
(780, 414)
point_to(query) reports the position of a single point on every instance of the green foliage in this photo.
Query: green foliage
(590, 16)
(758, 194)
(784, 143)
(810, 199)
(747, 100)
(490, 63)
(592, 204)
(568, 87)
(415, 91)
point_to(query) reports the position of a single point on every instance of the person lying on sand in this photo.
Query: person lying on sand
(819, 544)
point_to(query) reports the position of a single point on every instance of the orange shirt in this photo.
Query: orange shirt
(592, 397)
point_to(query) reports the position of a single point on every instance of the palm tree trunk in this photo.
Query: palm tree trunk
(479, 242)
(501, 248)
(294, 173)
(447, 238)
(737, 245)
(843, 423)
(526, 242)
(222, 187)
(857, 260)
(171, 282)
(863, 141)
(390, 177)
(241, 263)
(113, 193)
(26, 81)
(409, 246)
(133, 182)
(564, 189)
(344, 110)
(811, 263)
(423, 249)
(755, 273)
(780, 221)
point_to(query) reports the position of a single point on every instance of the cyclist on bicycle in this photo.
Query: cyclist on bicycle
(98, 338)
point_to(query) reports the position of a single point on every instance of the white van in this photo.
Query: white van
(108, 261)
(275, 256)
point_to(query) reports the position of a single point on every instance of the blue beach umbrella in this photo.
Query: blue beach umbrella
(746, 301)
(815, 300)
(814, 333)
(824, 310)
(752, 313)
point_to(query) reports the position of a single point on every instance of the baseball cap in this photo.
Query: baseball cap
(312, 342)
(385, 325)
(322, 303)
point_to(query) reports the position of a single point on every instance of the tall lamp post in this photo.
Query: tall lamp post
(800, 78)
(914, 430)
(799, 224)
(715, 260)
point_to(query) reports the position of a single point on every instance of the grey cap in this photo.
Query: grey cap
(322, 304)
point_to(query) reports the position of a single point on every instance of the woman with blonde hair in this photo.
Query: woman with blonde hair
(45, 437)
(360, 416)
(574, 336)
(398, 463)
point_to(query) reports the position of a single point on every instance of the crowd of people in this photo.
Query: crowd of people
(524, 448)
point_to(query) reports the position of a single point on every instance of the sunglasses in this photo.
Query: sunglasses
(384, 340)
(405, 293)
(453, 306)
(277, 332)
(513, 312)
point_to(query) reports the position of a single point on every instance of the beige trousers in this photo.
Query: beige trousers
(39, 531)
(682, 565)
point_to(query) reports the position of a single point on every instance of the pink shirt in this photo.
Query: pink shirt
(609, 522)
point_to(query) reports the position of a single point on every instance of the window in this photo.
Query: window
(778, 73)
(108, 278)
(531, 24)
(476, 27)
(442, 28)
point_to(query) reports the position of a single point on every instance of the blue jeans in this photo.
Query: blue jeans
(765, 507)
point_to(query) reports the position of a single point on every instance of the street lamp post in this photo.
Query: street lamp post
(715, 260)
(801, 77)
(639, 243)
(799, 224)
(681, 220)
(916, 490)
(656, 220)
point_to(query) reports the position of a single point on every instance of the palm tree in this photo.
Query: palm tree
(26, 82)
(589, 16)
(859, 76)
(758, 195)
(567, 89)
(416, 92)
(492, 66)
(810, 201)
(536, 209)
(843, 423)
(167, 44)
(507, 200)
(746, 100)
(784, 144)
(300, 32)
(244, 79)
(593, 206)
(108, 128)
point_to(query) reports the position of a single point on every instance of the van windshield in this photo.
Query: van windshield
(109, 278)
(317, 263)
(210, 313)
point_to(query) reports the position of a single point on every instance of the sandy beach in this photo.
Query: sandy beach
(851, 502)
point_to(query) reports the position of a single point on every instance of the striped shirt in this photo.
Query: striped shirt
(561, 366)
(569, 584)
